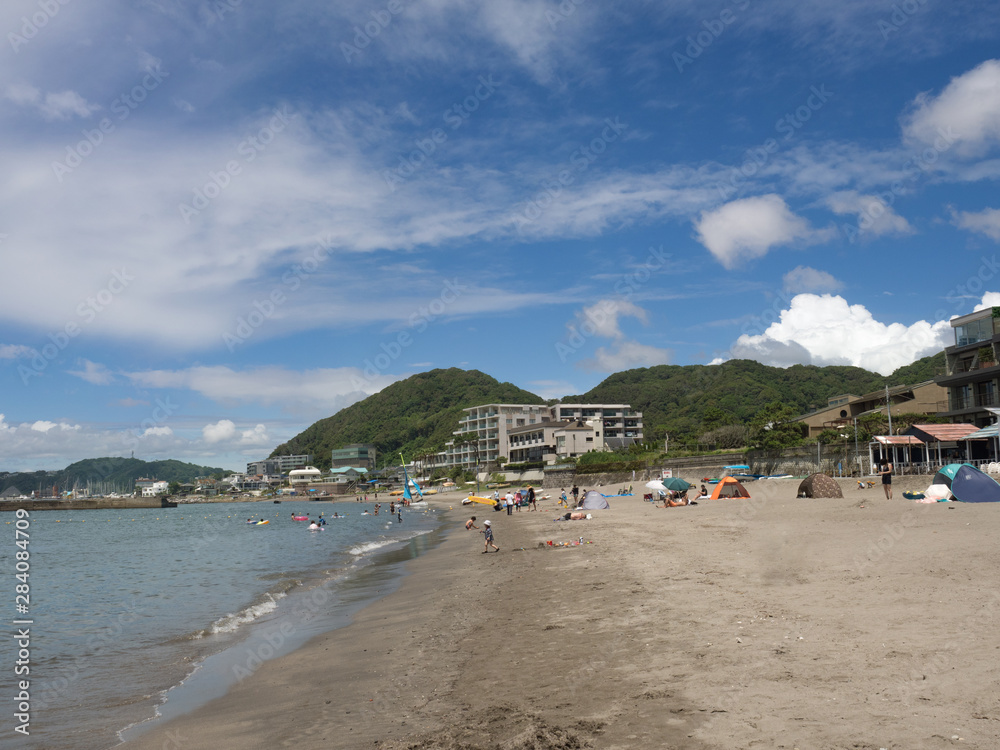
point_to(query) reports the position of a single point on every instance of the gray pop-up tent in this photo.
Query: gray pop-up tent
(594, 500)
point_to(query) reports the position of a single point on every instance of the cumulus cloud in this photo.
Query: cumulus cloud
(826, 330)
(224, 429)
(965, 115)
(985, 222)
(749, 227)
(806, 279)
(157, 432)
(256, 435)
(874, 216)
(602, 320)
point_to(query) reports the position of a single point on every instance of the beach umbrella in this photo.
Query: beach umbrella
(656, 484)
(676, 484)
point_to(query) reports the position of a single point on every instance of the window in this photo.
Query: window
(974, 331)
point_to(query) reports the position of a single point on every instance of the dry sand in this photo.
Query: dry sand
(776, 622)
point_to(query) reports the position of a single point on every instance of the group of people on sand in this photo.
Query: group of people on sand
(678, 498)
(514, 500)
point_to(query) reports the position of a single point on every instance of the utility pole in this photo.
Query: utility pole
(888, 407)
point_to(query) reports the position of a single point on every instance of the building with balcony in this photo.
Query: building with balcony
(971, 373)
(531, 432)
(620, 426)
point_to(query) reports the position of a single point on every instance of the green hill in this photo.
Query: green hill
(683, 401)
(413, 416)
(105, 475)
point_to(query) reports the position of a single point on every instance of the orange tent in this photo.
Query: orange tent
(729, 487)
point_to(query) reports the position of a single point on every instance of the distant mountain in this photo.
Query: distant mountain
(412, 416)
(111, 474)
(684, 401)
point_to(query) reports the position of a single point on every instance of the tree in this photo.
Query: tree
(772, 427)
(173, 488)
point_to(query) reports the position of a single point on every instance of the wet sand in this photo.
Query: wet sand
(775, 622)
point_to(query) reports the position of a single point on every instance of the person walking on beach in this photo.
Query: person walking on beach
(471, 524)
(576, 493)
(488, 534)
(518, 499)
(510, 503)
(563, 500)
(531, 497)
(886, 473)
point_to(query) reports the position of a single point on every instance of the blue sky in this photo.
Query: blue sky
(222, 221)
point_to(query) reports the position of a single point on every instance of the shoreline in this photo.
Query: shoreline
(777, 621)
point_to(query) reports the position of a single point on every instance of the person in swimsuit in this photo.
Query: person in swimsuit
(886, 473)
(471, 524)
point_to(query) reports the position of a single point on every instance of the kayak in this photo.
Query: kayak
(257, 523)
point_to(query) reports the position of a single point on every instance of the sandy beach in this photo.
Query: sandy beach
(775, 622)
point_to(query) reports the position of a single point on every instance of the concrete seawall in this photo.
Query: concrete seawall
(97, 503)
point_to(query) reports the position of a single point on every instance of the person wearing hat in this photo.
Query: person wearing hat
(488, 534)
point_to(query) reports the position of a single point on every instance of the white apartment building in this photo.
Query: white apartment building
(531, 432)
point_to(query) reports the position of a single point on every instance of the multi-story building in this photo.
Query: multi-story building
(971, 373)
(287, 463)
(358, 455)
(267, 466)
(621, 426)
(531, 432)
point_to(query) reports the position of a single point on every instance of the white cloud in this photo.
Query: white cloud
(990, 299)
(157, 432)
(43, 426)
(625, 355)
(826, 330)
(15, 351)
(875, 217)
(602, 320)
(320, 391)
(53, 106)
(223, 430)
(749, 227)
(985, 222)
(94, 373)
(255, 436)
(965, 115)
(806, 279)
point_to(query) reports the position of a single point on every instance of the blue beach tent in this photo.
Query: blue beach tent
(968, 484)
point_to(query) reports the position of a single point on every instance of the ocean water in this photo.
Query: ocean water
(145, 613)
